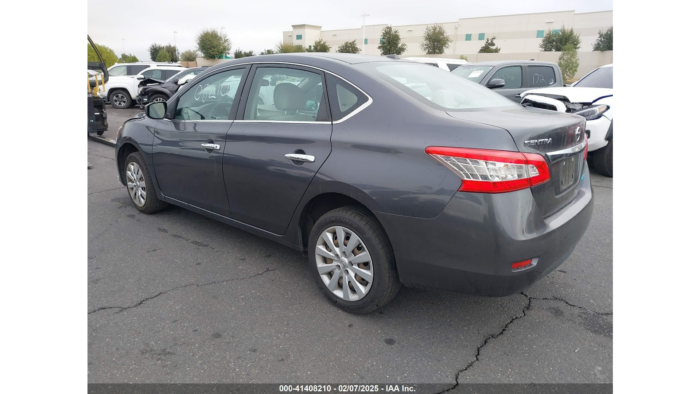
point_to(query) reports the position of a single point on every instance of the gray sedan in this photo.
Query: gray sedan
(384, 172)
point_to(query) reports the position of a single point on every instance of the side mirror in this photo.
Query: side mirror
(156, 110)
(496, 83)
(140, 77)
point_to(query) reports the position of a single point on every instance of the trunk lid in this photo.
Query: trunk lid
(558, 137)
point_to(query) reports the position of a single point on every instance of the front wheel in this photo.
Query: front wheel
(158, 98)
(352, 261)
(603, 159)
(120, 99)
(140, 186)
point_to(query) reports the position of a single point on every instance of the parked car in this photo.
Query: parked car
(153, 90)
(121, 91)
(441, 63)
(510, 78)
(450, 186)
(123, 69)
(592, 98)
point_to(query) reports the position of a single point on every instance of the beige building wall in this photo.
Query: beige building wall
(514, 33)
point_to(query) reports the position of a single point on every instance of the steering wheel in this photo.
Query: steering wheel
(221, 110)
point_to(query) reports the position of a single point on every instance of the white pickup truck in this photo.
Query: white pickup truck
(121, 91)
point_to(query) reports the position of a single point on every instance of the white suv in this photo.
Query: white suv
(121, 90)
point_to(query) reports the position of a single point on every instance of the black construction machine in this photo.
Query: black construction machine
(97, 114)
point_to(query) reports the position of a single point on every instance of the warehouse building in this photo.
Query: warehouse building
(515, 34)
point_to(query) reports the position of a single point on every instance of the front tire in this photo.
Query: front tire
(139, 185)
(120, 99)
(352, 261)
(603, 159)
(157, 98)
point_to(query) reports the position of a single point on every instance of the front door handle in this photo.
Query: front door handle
(300, 157)
(209, 146)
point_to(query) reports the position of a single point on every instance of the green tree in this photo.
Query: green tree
(435, 40)
(320, 46)
(124, 58)
(237, 54)
(568, 63)
(172, 51)
(604, 42)
(464, 57)
(490, 46)
(267, 52)
(163, 56)
(188, 56)
(289, 48)
(349, 47)
(108, 55)
(556, 41)
(390, 42)
(153, 50)
(212, 44)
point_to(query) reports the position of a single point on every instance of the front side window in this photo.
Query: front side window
(540, 76)
(285, 95)
(117, 71)
(154, 74)
(472, 73)
(211, 98)
(436, 87)
(512, 75)
(600, 78)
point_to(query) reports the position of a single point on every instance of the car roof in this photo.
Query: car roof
(152, 64)
(502, 62)
(435, 59)
(164, 68)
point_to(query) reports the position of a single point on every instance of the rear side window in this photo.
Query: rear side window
(169, 73)
(134, 70)
(344, 97)
(117, 71)
(541, 76)
(452, 66)
(513, 76)
(600, 78)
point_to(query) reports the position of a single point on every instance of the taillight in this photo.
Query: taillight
(585, 152)
(492, 171)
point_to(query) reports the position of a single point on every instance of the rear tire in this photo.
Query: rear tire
(143, 193)
(384, 283)
(603, 159)
(120, 99)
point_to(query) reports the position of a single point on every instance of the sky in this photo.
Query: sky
(132, 26)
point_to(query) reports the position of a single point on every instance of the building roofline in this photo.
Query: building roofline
(306, 25)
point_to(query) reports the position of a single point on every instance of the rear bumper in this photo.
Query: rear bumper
(471, 245)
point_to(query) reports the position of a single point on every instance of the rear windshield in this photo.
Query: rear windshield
(436, 87)
(472, 73)
(600, 78)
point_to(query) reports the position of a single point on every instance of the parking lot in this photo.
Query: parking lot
(177, 297)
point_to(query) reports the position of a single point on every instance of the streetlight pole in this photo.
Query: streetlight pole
(175, 38)
(123, 46)
(363, 31)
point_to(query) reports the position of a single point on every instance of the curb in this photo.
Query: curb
(102, 140)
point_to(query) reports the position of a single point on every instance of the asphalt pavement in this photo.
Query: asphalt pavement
(177, 297)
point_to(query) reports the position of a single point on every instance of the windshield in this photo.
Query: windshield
(600, 78)
(436, 87)
(178, 75)
(472, 73)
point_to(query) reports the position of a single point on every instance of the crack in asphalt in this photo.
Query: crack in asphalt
(143, 301)
(505, 328)
(567, 303)
(103, 191)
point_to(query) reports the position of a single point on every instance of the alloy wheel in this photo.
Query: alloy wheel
(344, 263)
(119, 99)
(158, 100)
(136, 184)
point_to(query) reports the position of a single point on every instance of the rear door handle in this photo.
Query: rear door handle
(300, 157)
(209, 146)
